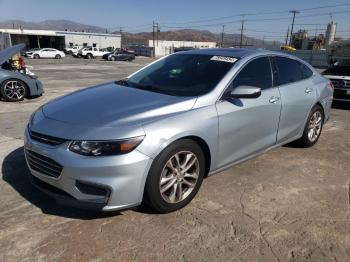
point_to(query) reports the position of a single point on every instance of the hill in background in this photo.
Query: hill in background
(142, 37)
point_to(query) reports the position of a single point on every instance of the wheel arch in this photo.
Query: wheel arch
(205, 148)
(322, 107)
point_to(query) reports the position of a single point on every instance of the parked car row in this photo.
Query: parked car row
(79, 51)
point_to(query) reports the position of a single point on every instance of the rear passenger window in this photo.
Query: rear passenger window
(257, 73)
(306, 72)
(289, 70)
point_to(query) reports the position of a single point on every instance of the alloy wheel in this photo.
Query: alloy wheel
(315, 126)
(179, 177)
(14, 90)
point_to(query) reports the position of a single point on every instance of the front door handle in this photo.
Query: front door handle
(274, 99)
(308, 90)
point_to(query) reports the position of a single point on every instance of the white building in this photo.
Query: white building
(164, 47)
(57, 39)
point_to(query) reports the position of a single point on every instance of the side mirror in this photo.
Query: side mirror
(245, 92)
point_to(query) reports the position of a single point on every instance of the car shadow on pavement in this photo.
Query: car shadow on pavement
(15, 172)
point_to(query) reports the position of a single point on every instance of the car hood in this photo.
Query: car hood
(112, 105)
(7, 53)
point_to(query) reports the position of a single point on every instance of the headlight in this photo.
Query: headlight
(105, 148)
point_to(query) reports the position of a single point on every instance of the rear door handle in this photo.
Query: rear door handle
(308, 90)
(274, 99)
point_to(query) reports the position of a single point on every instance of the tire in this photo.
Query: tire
(313, 127)
(58, 57)
(13, 90)
(36, 56)
(89, 56)
(113, 58)
(164, 197)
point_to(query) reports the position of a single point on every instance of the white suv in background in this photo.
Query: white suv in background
(91, 52)
(45, 53)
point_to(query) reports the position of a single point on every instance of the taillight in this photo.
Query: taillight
(330, 85)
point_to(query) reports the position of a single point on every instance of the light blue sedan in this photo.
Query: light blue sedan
(152, 137)
(15, 85)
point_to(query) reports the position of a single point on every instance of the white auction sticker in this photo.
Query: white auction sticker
(224, 59)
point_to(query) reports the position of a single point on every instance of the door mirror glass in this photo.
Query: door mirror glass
(245, 92)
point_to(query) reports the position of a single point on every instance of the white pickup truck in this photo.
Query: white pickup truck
(91, 52)
(72, 49)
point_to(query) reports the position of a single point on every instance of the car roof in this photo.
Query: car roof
(231, 52)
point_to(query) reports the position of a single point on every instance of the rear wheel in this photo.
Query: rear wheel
(58, 56)
(113, 58)
(313, 127)
(89, 56)
(175, 176)
(13, 90)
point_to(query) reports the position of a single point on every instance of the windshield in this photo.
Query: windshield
(182, 74)
(340, 67)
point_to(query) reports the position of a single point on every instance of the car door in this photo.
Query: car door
(51, 53)
(43, 53)
(249, 125)
(298, 94)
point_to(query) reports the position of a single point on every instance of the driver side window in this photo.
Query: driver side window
(256, 73)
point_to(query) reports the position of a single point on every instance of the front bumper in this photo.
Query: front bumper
(121, 177)
(342, 94)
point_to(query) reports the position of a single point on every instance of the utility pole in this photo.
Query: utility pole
(263, 42)
(294, 12)
(158, 30)
(287, 36)
(121, 38)
(222, 35)
(240, 42)
(153, 34)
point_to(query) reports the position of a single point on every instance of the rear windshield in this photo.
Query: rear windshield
(183, 74)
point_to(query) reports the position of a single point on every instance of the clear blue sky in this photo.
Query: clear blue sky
(137, 15)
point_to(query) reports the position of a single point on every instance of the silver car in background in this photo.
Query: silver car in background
(152, 137)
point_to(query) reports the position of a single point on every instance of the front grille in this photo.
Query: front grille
(339, 83)
(44, 165)
(54, 141)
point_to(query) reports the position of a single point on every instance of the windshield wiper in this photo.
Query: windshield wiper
(122, 82)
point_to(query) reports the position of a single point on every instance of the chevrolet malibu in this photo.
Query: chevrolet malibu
(152, 137)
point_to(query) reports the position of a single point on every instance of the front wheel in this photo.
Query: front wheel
(36, 56)
(58, 57)
(13, 90)
(313, 127)
(175, 176)
(89, 56)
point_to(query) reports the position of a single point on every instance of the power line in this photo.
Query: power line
(257, 14)
(256, 20)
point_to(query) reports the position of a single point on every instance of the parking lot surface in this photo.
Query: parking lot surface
(290, 204)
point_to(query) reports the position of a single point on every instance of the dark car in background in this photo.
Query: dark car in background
(120, 55)
(339, 74)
